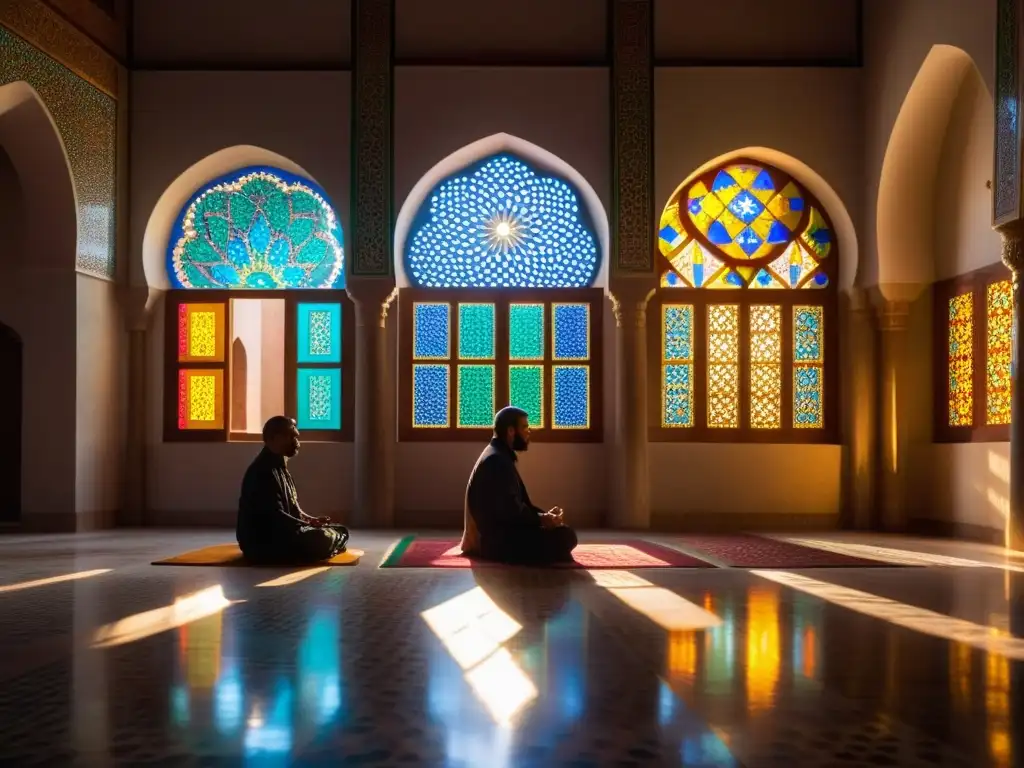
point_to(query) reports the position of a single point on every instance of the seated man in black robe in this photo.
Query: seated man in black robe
(501, 522)
(271, 528)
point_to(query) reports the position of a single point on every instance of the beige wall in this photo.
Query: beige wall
(178, 118)
(898, 35)
(100, 408)
(700, 478)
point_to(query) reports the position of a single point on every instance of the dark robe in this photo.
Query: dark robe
(270, 528)
(507, 524)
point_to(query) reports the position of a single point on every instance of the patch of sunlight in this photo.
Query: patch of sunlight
(473, 629)
(885, 554)
(662, 606)
(183, 611)
(292, 578)
(53, 580)
(903, 615)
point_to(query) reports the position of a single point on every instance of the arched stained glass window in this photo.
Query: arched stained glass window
(257, 229)
(502, 258)
(746, 340)
(502, 224)
(258, 321)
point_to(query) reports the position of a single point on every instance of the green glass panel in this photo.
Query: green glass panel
(526, 332)
(526, 391)
(476, 331)
(476, 395)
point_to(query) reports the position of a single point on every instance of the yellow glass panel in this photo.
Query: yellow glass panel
(671, 233)
(200, 333)
(725, 278)
(723, 365)
(999, 317)
(746, 272)
(744, 174)
(762, 224)
(765, 366)
(732, 224)
(817, 236)
(781, 206)
(200, 399)
(960, 331)
(712, 206)
(766, 279)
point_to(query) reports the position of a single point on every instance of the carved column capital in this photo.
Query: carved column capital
(372, 297)
(629, 299)
(1013, 245)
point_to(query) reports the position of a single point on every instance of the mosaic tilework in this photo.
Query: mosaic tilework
(86, 119)
(526, 332)
(318, 395)
(571, 396)
(526, 391)
(430, 387)
(476, 396)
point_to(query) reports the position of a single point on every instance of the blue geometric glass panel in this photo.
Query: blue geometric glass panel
(807, 334)
(526, 332)
(571, 331)
(502, 224)
(430, 388)
(808, 411)
(318, 395)
(431, 331)
(677, 327)
(257, 228)
(677, 395)
(476, 331)
(571, 396)
(319, 333)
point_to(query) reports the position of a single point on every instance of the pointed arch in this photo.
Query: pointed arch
(846, 233)
(151, 267)
(906, 187)
(495, 145)
(46, 232)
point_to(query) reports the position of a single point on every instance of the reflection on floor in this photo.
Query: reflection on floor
(105, 660)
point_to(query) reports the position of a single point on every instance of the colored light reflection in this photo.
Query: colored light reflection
(997, 706)
(269, 732)
(183, 611)
(720, 643)
(903, 615)
(320, 667)
(763, 655)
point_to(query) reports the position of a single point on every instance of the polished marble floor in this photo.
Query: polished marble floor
(123, 663)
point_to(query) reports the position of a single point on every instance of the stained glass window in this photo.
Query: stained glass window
(200, 398)
(999, 311)
(765, 366)
(571, 396)
(744, 225)
(502, 224)
(470, 358)
(677, 365)
(201, 333)
(318, 393)
(723, 365)
(526, 332)
(319, 327)
(961, 363)
(571, 329)
(733, 240)
(808, 372)
(257, 228)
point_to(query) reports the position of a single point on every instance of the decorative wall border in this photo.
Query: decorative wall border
(62, 41)
(372, 136)
(1006, 192)
(632, 87)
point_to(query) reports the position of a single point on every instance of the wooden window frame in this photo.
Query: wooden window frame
(975, 283)
(501, 299)
(744, 298)
(292, 299)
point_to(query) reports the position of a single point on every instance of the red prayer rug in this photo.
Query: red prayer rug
(749, 551)
(413, 552)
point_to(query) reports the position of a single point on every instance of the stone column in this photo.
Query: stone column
(137, 303)
(375, 404)
(1013, 258)
(371, 282)
(632, 507)
(895, 402)
(859, 409)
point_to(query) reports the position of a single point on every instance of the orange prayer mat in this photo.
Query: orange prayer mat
(230, 554)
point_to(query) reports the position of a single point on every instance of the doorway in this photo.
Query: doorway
(10, 425)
